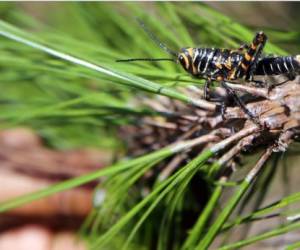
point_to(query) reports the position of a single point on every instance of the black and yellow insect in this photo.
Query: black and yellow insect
(222, 65)
(227, 65)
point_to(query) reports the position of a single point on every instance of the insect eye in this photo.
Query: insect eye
(181, 60)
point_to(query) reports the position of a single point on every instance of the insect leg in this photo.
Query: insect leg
(206, 89)
(248, 64)
(238, 100)
(254, 52)
(290, 77)
(221, 107)
(223, 110)
(243, 47)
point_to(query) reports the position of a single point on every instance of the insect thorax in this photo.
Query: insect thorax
(212, 62)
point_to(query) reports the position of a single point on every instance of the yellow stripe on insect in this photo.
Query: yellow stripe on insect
(245, 67)
(190, 51)
(232, 74)
(220, 78)
(194, 69)
(186, 60)
(191, 54)
(228, 64)
(247, 56)
(219, 65)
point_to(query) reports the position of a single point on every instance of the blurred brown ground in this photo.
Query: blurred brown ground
(26, 166)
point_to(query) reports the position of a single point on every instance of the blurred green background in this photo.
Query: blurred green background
(71, 106)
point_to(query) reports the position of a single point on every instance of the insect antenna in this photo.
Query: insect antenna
(155, 39)
(158, 42)
(146, 59)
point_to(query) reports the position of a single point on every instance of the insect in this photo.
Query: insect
(287, 65)
(228, 65)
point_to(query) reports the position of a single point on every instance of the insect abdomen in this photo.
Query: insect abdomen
(278, 65)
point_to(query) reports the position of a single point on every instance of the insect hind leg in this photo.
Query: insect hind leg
(207, 89)
(290, 77)
(243, 47)
(248, 64)
(238, 100)
(222, 109)
(255, 52)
